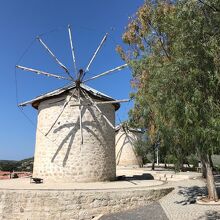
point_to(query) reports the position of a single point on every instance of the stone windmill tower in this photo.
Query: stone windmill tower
(75, 139)
(125, 140)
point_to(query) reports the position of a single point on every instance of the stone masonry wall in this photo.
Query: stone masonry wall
(60, 156)
(71, 205)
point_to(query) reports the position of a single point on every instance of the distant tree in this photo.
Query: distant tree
(173, 48)
(7, 165)
(21, 165)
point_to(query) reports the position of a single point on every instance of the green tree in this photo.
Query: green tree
(173, 48)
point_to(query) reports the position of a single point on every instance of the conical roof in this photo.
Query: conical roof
(96, 94)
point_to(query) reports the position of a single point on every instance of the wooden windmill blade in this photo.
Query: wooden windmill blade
(94, 55)
(40, 72)
(106, 119)
(106, 72)
(112, 102)
(101, 103)
(54, 57)
(72, 49)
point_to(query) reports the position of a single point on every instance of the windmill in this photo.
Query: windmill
(126, 138)
(75, 116)
(77, 78)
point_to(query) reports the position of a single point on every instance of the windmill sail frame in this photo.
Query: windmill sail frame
(77, 81)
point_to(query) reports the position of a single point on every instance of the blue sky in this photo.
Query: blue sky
(20, 22)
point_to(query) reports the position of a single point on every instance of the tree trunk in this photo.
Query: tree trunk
(210, 159)
(153, 165)
(154, 158)
(212, 192)
(203, 167)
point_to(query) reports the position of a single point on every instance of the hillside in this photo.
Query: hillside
(13, 165)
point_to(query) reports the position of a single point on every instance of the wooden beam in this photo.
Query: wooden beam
(98, 109)
(40, 72)
(112, 102)
(100, 103)
(54, 57)
(72, 49)
(106, 72)
(96, 52)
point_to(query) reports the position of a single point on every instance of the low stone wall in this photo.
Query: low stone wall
(71, 204)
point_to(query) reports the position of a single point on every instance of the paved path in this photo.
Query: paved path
(24, 183)
(152, 211)
(178, 205)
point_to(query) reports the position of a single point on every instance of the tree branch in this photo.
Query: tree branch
(210, 6)
(161, 43)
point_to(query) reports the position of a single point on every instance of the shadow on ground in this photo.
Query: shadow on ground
(190, 194)
(217, 180)
(144, 176)
(210, 215)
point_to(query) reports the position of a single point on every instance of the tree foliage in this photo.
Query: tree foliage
(173, 48)
(13, 165)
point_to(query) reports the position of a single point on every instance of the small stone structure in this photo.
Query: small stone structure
(59, 155)
(125, 146)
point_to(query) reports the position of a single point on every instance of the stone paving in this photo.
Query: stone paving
(152, 211)
(129, 184)
(180, 204)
